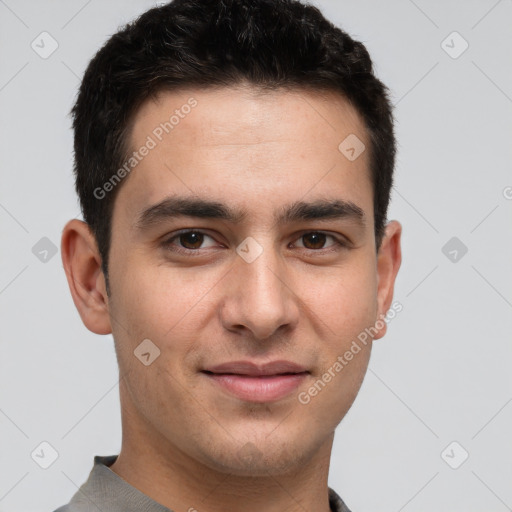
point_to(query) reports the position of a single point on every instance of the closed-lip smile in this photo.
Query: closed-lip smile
(257, 382)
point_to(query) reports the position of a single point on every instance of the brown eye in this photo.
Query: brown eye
(314, 240)
(191, 240)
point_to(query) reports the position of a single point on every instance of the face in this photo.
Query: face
(243, 249)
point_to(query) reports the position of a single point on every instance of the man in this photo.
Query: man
(234, 162)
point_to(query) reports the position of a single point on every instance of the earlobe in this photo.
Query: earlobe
(389, 259)
(82, 264)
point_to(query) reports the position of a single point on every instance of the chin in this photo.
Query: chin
(260, 458)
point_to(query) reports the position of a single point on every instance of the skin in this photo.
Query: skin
(186, 443)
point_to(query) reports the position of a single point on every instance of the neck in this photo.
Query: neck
(153, 465)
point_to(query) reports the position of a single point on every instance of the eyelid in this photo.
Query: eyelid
(335, 245)
(168, 240)
(340, 242)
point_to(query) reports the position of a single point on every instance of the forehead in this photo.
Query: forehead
(251, 148)
(244, 115)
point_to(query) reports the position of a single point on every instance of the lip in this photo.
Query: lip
(259, 383)
(255, 370)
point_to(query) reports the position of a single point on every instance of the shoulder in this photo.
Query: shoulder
(336, 503)
(78, 507)
(92, 492)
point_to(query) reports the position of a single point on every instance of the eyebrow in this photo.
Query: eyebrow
(176, 207)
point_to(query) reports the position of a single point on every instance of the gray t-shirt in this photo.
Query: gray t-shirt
(106, 491)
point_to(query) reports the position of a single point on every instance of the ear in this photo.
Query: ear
(82, 264)
(389, 259)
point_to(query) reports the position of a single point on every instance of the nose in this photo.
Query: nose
(258, 297)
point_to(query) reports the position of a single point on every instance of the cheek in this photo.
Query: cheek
(343, 298)
(153, 305)
(344, 304)
(169, 306)
(154, 299)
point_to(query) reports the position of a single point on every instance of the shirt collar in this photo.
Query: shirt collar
(106, 491)
(104, 486)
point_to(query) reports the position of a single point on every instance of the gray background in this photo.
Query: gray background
(442, 373)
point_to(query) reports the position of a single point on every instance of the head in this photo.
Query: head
(262, 128)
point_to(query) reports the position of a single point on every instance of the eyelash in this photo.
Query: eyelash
(167, 244)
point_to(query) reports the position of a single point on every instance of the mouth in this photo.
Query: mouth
(251, 382)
